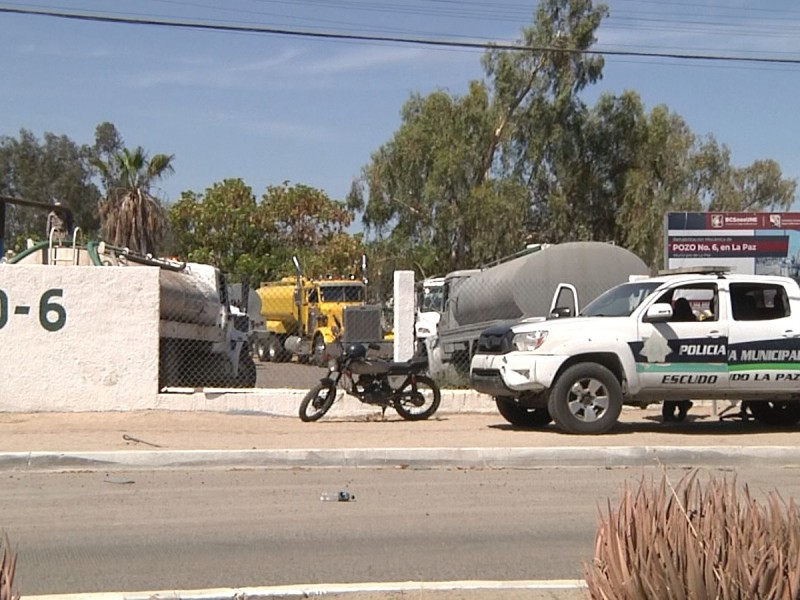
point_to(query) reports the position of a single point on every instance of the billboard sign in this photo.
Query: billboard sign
(747, 242)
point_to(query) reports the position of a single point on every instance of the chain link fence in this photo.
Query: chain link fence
(280, 334)
(203, 339)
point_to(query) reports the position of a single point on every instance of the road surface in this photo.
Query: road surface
(172, 530)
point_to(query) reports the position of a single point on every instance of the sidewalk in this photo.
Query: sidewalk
(352, 426)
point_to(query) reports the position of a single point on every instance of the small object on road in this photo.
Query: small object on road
(119, 481)
(130, 438)
(342, 496)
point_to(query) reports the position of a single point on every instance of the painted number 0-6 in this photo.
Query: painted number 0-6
(52, 315)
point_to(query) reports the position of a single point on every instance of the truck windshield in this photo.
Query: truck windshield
(342, 293)
(432, 299)
(620, 301)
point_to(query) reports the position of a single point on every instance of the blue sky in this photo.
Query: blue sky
(269, 108)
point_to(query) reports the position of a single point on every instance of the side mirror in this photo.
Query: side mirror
(561, 312)
(658, 313)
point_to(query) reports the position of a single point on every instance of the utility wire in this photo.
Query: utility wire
(394, 39)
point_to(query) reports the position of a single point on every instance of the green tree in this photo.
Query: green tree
(130, 213)
(53, 169)
(468, 179)
(540, 116)
(313, 227)
(224, 227)
(665, 167)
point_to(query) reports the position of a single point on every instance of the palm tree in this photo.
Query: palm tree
(131, 216)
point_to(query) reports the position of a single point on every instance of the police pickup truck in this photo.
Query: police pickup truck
(704, 334)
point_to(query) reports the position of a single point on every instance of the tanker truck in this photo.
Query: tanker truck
(201, 343)
(541, 281)
(302, 316)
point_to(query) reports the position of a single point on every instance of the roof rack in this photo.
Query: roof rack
(699, 270)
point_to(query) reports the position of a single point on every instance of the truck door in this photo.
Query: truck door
(765, 338)
(685, 354)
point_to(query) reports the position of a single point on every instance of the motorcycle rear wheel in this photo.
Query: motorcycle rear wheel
(317, 402)
(419, 399)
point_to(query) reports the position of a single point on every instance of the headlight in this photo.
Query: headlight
(526, 342)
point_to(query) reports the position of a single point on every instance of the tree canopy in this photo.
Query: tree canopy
(53, 169)
(255, 241)
(521, 158)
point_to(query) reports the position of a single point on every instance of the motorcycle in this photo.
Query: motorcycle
(373, 381)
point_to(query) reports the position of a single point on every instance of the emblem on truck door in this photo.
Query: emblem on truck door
(655, 349)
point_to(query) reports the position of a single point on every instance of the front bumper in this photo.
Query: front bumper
(513, 373)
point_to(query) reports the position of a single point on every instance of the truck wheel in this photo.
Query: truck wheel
(261, 351)
(522, 416)
(586, 398)
(776, 414)
(319, 351)
(275, 351)
(247, 370)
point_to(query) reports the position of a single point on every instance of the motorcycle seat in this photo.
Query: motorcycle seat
(415, 365)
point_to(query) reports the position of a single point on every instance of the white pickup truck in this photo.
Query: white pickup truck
(634, 345)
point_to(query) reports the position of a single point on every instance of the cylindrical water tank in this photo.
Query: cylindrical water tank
(190, 295)
(524, 286)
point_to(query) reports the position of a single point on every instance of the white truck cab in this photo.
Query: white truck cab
(700, 334)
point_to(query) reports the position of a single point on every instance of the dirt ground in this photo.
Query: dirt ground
(184, 430)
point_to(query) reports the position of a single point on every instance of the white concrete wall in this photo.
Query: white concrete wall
(103, 356)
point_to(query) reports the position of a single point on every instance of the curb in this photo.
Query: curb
(518, 458)
(555, 588)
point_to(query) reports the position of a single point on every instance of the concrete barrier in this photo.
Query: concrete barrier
(78, 339)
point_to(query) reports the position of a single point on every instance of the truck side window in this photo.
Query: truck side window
(695, 302)
(759, 301)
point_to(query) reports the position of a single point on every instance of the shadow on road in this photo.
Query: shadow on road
(693, 425)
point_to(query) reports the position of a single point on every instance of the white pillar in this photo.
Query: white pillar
(403, 315)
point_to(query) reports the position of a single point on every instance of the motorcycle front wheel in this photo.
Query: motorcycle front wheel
(418, 399)
(317, 402)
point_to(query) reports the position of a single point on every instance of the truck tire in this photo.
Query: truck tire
(247, 370)
(522, 416)
(586, 398)
(261, 350)
(275, 351)
(319, 351)
(775, 414)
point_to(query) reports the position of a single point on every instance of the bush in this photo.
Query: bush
(8, 563)
(695, 542)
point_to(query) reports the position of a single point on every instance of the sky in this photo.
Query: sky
(271, 108)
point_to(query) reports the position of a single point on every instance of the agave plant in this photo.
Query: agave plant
(8, 563)
(695, 541)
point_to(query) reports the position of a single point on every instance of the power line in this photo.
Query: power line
(97, 18)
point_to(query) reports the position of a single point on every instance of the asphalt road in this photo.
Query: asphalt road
(171, 530)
